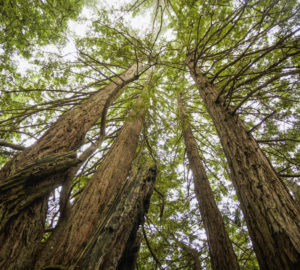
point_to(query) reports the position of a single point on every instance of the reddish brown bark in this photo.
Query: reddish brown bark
(76, 234)
(69, 131)
(65, 135)
(64, 204)
(115, 246)
(220, 247)
(272, 217)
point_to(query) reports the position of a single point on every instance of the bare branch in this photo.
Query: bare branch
(277, 140)
(262, 121)
(297, 71)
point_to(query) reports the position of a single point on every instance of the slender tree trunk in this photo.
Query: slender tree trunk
(272, 217)
(65, 135)
(220, 247)
(74, 242)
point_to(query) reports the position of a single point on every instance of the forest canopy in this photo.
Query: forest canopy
(149, 89)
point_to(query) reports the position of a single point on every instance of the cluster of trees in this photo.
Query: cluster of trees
(171, 149)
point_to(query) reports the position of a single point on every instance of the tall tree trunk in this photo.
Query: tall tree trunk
(272, 217)
(64, 200)
(114, 245)
(65, 135)
(74, 242)
(220, 247)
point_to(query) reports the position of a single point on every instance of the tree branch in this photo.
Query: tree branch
(289, 175)
(262, 121)
(297, 71)
(277, 140)
(12, 146)
(150, 249)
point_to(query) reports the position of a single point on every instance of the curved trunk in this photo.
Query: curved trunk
(220, 247)
(75, 238)
(65, 135)
(272, 217)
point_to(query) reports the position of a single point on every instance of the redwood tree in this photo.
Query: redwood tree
(100, 222)
(272, 216)
(244, 59)
(220, 247)
(26, 199)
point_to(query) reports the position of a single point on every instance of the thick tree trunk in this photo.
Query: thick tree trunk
(272, 217)
(65, 135)
(21, 189)
(17, 251)
(75, 238)
(64, 203)
(69, 131)
(114, 245)
(220, 247)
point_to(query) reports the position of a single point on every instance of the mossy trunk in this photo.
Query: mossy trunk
(270, 212)
(64, 136)
(221, 252)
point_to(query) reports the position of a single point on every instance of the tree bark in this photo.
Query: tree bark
(272, 217)
(68, 132)
(75, 238)
(65, 135)
(220, 247)
(115, 246)
(64, 203)
(20, 190)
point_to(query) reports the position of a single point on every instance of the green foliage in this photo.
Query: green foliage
(243, 46)
(27, 23)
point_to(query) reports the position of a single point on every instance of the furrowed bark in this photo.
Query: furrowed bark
(130, 254)
(18, 250)
(64, 204)
(74, 234)
(21, 189)
(272, 217)
(220, 247)
(65, 135)
(114, 246)
(69, 131)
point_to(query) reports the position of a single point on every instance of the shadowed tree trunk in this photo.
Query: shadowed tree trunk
(114, 245)
(21, 232)
(194, 254)
(272, 217)
(220, 247)
(97, 214)
(130, 254)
